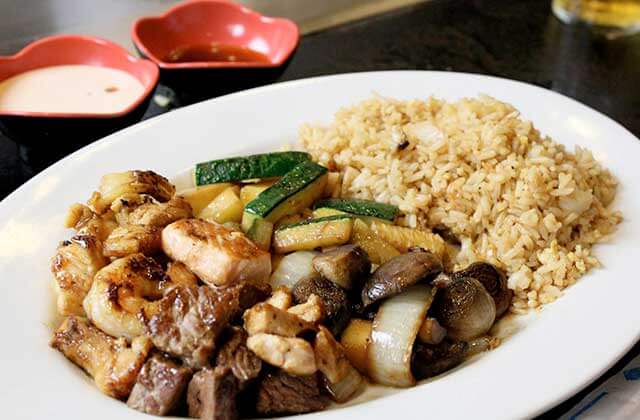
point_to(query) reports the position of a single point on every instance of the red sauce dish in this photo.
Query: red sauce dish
(46, 136)
(194, 25)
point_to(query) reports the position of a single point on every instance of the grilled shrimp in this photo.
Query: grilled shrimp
(133, 239)
(121, 290)
(113, 364)
(86, 222)
(75, 263)
(117, 184)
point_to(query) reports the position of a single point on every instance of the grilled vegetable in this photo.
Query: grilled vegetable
(347, 266)
(250, 191)
(378, 250)
(267, 165)
(494, 280)
(431, 332)
(403, 238)
(393, 334)
(355, 341)
(335, 301)
(311, 234)
(260, 233)
(200, 197)
(360, 207)
(295, 191)
(400, 273)
(292, 268)
(463, 307)
(226, 207)
(325, 212)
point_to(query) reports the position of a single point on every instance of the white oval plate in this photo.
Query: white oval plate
(558, 351)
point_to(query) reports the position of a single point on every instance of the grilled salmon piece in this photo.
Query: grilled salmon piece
(217, 255)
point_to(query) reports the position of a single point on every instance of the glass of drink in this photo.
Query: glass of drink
(614, 17)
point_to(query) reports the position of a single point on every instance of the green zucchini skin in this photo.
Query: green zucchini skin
(360, 207)
(241, 168)
(295, 181)
(312, 221)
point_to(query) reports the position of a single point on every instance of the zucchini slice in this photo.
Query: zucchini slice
(297, 190)
(260, 232)
(266, 165)
(314, 233)
(325, 212)
(360, 207)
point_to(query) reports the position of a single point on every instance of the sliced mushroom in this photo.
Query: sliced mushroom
(463, 307)
(336, 305)
(399, 273)
(431, 332)
(494, 280)
(346, 265)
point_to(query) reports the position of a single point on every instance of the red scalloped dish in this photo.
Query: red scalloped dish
(77, 49)
(200, 22)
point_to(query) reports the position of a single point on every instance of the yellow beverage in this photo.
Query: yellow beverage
(620, 14)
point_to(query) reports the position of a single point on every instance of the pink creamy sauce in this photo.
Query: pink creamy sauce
(74, 88)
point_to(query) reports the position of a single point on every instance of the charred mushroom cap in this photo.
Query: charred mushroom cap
(399, 273)
(335, 302)
(346, 265)
(463, 307)
(430, 360)
(494, 280)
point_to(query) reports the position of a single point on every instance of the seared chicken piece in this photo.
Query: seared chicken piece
(86, 222)
(75, 263)
(188, 319)
(293, 355)
(216, 254)
(264, 318)
(117, 184)
(131, 239)
(330, 356)
(178, 273)
(310, 311)
(159, 387)
(113, 363)
(161, 214)
(281, 298)
(120, 291)
(124, 205)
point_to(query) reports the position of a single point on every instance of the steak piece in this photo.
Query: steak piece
(187, 321)
(235, 355)
(281, 393)
(212, 394)
(159, 386)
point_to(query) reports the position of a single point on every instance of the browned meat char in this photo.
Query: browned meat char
(159, 386)
(281, 393)
(212, 394)
(187, 321)
(235, 355)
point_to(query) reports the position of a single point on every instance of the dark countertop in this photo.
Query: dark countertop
(519, 40)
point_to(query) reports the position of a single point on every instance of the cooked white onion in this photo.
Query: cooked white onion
(292, 268)
(347, 387)
(394, 330)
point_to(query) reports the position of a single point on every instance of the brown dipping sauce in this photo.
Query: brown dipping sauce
(215, 52)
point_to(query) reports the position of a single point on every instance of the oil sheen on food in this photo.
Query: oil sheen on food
(215, 53)
(79, 89)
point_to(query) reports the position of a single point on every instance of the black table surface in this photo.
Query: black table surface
(520, 40)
